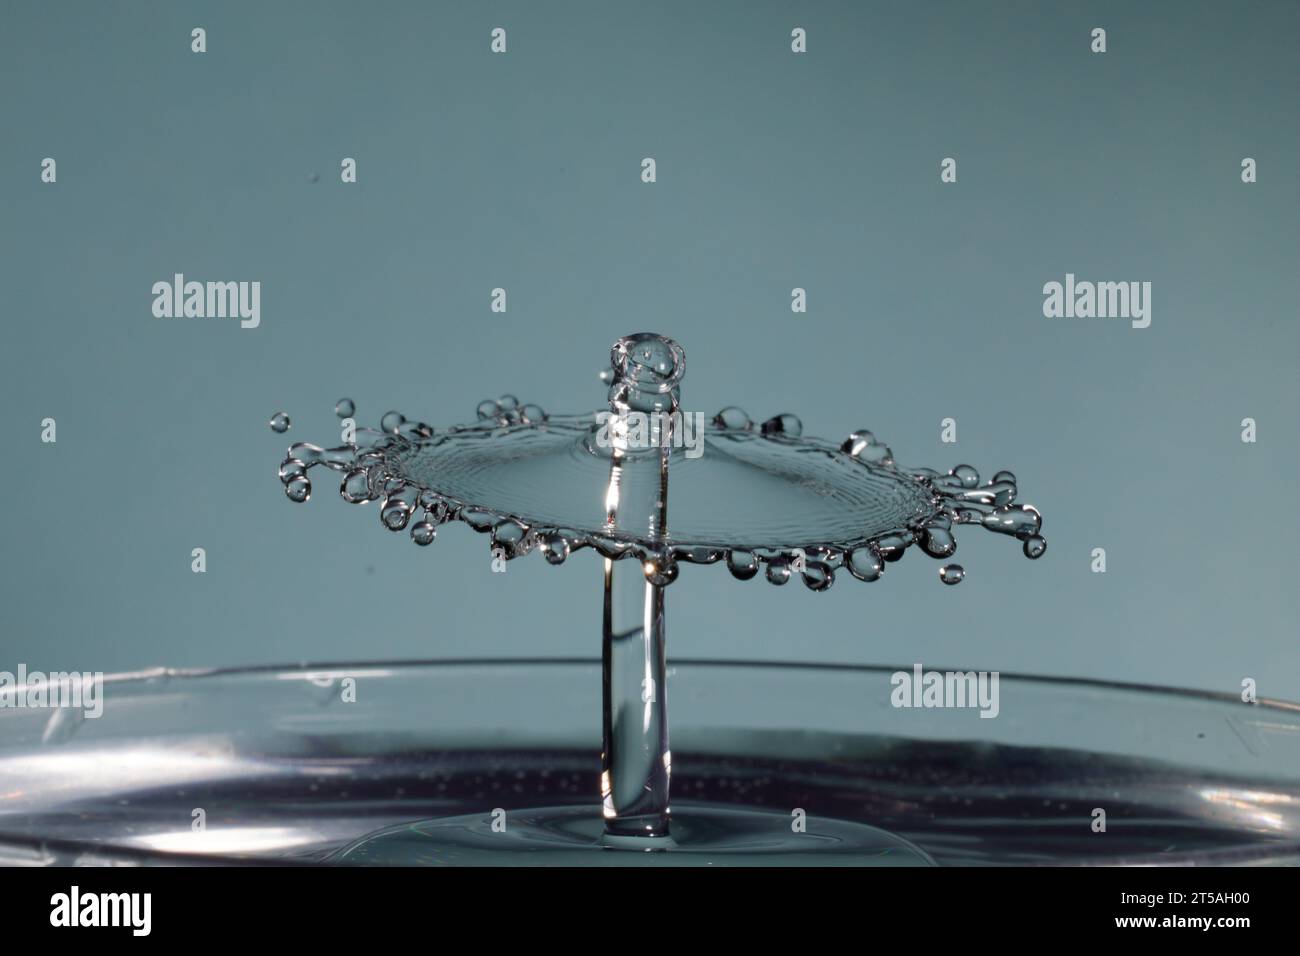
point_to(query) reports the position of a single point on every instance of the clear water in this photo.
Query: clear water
(702, 835)
(286, 771)
(754, 497)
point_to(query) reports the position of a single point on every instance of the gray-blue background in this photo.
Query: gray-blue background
(775, 171)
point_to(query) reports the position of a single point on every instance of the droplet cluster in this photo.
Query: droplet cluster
(370, 470)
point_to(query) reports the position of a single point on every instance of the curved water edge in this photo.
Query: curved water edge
(397, 465)
(1207, 779)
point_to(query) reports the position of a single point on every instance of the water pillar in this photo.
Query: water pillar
(636, 763)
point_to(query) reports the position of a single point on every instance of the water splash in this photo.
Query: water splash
(755, 497)
(762, 497)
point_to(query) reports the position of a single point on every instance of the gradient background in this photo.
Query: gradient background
(775, 170)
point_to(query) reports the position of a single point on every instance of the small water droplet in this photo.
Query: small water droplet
(645, 358)
(279, 423)
(555, 548)
(395, 514)
(660, 569)
(778, 571)
(298, 489)
(865, 564)
(873, 454)
(857, 442)
(423, 533)
(952, 573)
(356, 486)
(783, 424)
(291, 468)
(508, 535)
(817, 576)
(892, 547)
(732, 418)
(1034, 546)
(1019, 520)
(937, 541)
(345, 408)
(967, 475)
(743, 565)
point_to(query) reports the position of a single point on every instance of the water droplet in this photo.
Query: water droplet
(555, 548)
(952, 573)
(743, 565)
(279, 423)
(1019, 520)
(395, 514)
(732, 419)
(937, 542)
(645, 358)
(893, 546)
(865, 564)
(423, 533)
(817, 576)
(1007, 476)
(778, 571)
(967, 475)
(392, 422)
(356, 486)
(660, 569)
(345, 408)
(298, 489)
(508, 535)
(700, 554)
(783, 424)
(873, 454)
(1003, 492)
(291, 468)
(1034, 546)
(857, 442)
(487, 410)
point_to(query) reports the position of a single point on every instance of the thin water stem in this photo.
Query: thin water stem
(636, 763)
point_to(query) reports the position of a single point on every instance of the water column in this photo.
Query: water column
(636, 763)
